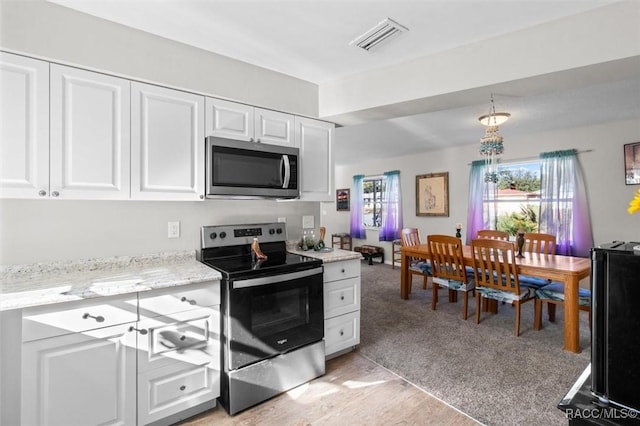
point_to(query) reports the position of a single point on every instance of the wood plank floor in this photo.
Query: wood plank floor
(353, 391)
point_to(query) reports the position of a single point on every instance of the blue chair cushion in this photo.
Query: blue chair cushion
(532, 282)
(454, 284)
(505, 296)
(555, 291)
(422, 266)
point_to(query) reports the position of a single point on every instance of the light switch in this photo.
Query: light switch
(173, 230)
(307, 222)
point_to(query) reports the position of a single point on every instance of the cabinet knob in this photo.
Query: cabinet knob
(343, 270)
(341, 297)
(141, 331)
(183, 387)
(99, 318)
(42, 193)
(55, 193)
(201, 197)
(341, 333)
(183, 337)
(184, 299)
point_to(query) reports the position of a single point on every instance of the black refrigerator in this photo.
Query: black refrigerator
(615, 338)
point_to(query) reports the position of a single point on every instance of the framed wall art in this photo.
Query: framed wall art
(342, 199)
(432, 194)
(632, 163)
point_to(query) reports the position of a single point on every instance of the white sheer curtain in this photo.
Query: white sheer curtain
(392, 209)
(564, 210)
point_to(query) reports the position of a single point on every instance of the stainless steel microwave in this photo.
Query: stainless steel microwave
(252, 170)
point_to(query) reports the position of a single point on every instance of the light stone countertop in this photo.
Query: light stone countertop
(37, 284)
(336, 255)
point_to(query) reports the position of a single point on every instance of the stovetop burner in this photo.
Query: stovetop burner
(228, 249)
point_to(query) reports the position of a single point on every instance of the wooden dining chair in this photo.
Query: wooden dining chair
(449, 269)
(411, 237)
(537, 242)
(496, 277)
(493, 234)
(553, 294)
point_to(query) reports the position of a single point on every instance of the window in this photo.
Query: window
(518, 197)
(373, 189)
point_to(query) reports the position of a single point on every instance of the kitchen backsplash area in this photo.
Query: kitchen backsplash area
(52, 230)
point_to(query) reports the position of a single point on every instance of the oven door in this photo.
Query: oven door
(272, 315)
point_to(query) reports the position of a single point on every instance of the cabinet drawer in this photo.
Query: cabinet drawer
(170, 390)
(74, 317)
(181, 298)
(341, 297)
(340, 270)
(341, 332)
(192, 337)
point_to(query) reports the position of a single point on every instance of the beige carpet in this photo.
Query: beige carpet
(483, 370)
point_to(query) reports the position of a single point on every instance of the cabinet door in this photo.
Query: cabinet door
(24, 132)
(167, 144)
(273, 127)
(315, 139)
(80, 379)
(90, 136)
(229, 119)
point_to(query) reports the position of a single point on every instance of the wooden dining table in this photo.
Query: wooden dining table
(566, 269)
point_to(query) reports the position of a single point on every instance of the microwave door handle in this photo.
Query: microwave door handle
(284, 163)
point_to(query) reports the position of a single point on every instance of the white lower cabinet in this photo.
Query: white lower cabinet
(123, 360)
(341, 306)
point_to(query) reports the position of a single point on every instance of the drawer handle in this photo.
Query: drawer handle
(99, 318)
(184, 299)
(183, 337)
(183, 387)
(341, 333)
(341, 297)
(141, 331)
(343, 270)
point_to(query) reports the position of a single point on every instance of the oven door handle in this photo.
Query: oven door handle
(273, 279)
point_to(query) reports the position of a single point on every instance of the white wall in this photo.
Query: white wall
(51, 230)
(603, 169)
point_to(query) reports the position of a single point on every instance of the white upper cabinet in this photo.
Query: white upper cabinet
(315, 139)
(167, 144)
(245, 122)
(90, 135)
(24, 127)
(274, 127)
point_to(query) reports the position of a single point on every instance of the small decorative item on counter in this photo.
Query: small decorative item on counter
(255, 249)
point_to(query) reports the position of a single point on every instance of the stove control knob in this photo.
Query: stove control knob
(213, 235)
(279, 231)
(272, 231)
(223, 234)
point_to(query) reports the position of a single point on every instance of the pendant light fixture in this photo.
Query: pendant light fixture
(491, 145)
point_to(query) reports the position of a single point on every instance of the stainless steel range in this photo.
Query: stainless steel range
(272, 312)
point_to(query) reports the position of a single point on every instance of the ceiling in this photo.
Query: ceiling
(309, 39)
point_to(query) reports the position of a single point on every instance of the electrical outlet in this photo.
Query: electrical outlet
(173, 230)
(282, 220)
(307, 222)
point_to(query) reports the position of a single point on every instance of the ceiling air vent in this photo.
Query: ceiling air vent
(385, 30)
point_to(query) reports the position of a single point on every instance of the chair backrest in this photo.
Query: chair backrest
(494, 235)
(535, 242)
(447, 260)
(494, 264)
(410, 237)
